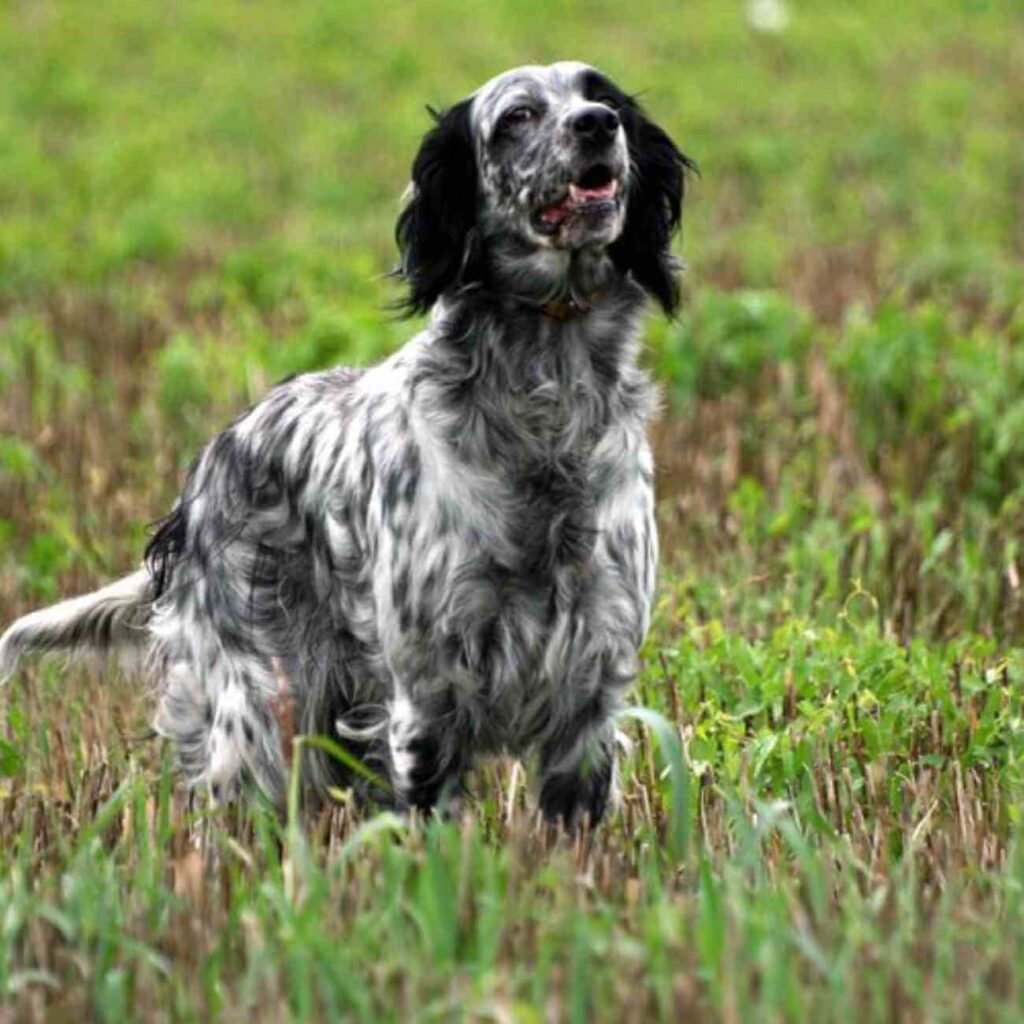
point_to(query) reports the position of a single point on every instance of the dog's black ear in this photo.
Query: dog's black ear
(654, 207)
(435, 230)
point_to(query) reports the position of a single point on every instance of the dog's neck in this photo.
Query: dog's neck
(561, 283)
(513, 382)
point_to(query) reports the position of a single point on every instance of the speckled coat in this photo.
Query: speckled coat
(453, 552)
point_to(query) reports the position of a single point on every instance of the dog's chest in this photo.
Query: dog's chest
(505, 569)
(516, 573)
(528, 506)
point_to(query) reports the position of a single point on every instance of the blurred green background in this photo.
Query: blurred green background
(198, 199)
(135, 132)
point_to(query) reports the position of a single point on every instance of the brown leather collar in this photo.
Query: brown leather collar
(563, 311)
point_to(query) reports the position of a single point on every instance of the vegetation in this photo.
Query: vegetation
(821, 805)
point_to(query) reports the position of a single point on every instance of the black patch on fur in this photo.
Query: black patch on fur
(426, 777)
(165, 546)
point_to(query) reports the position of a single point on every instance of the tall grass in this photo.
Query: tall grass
(820, 807)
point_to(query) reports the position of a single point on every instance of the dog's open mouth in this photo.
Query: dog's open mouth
(593, 192)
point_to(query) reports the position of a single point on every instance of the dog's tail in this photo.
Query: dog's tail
(112, 619)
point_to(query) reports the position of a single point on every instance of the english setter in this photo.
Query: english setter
(452, 552)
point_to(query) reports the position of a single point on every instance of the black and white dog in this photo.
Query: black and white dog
(452, 552)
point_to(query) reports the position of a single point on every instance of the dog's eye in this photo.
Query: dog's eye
(517, 116)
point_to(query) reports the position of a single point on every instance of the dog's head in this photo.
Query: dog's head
(545, 162)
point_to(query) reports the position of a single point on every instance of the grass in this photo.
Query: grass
(821, 805)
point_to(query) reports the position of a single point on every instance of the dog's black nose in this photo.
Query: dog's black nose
(594, 123)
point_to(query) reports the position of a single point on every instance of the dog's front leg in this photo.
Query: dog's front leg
(577, 772)
(428, 746)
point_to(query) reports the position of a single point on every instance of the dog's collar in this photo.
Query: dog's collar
(563, 311)
(571, 310)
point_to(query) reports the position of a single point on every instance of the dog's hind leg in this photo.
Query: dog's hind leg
(222, 725)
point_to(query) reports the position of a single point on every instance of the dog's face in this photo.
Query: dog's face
(554, 160)
(552, 156)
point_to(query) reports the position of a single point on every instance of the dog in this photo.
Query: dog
(451, 553)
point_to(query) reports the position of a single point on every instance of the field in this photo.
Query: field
(821, 814)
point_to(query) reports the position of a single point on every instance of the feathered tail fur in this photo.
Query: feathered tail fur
(110, 620)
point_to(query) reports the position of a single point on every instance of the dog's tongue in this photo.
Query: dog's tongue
(557, 212)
